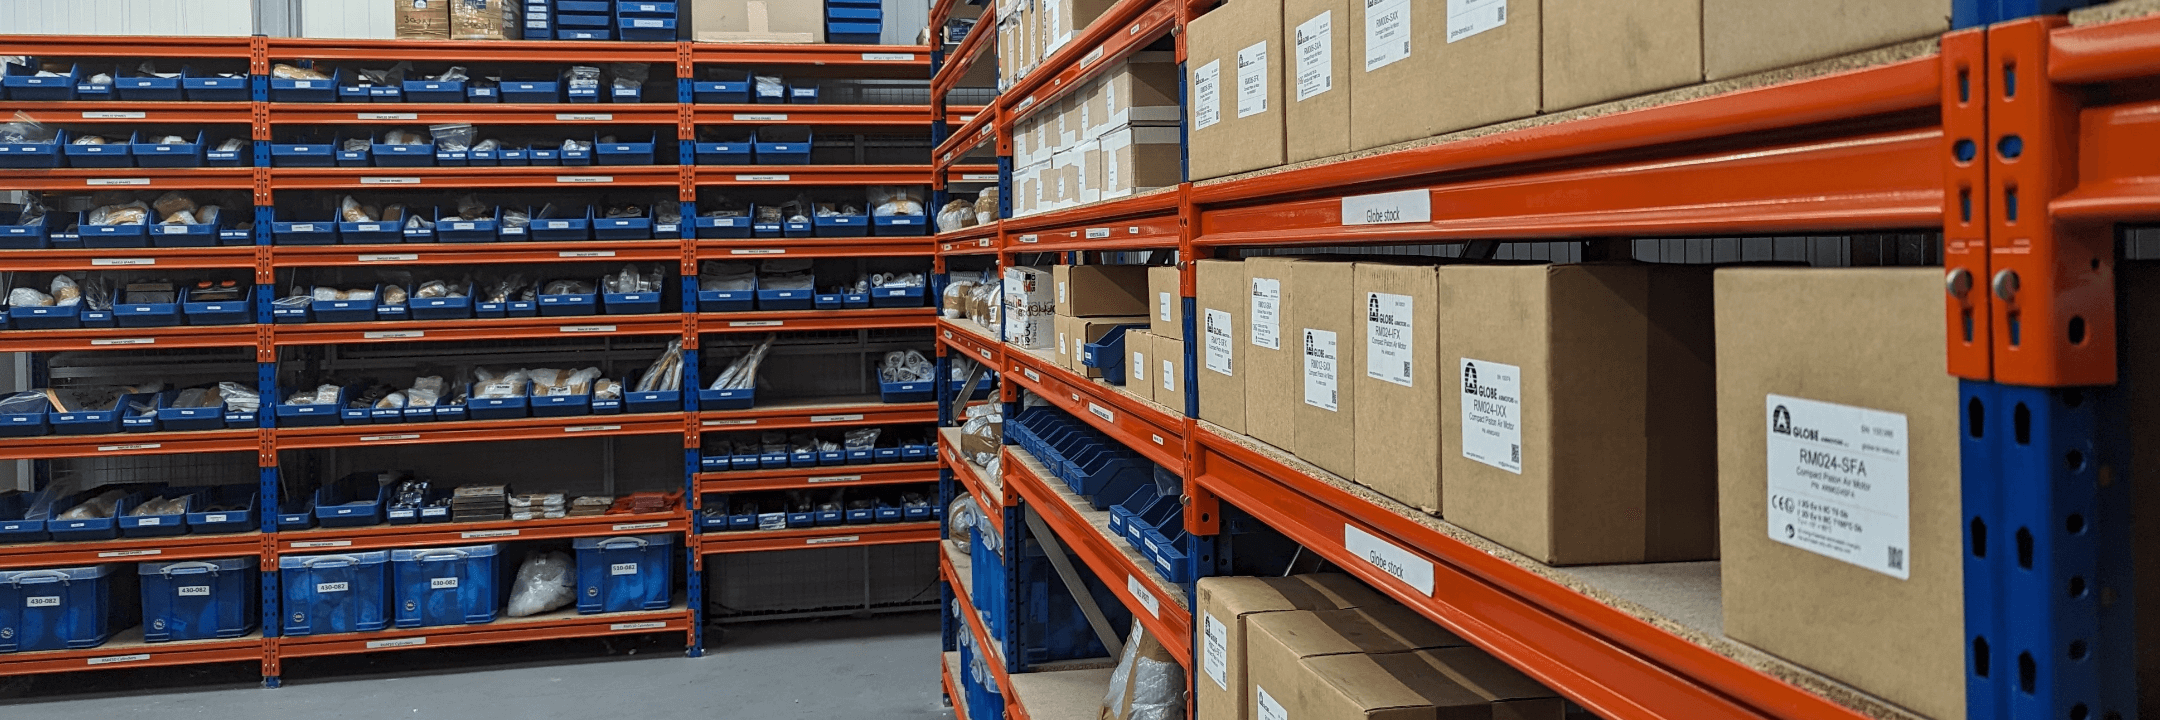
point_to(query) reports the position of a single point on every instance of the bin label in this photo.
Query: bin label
(106, 262)
(42, 601)
(110, 659)
(1838, 483)
(888, 57)
(398, 643)
(193, 590)
(1266, 317)
(761, 117)
(388, 181)
(586, 328)
(125, 341)
(214, 518)
(488, 534)
(394, 334)
(761, 178)
(629, 568)
(149, 521)
(1406, 206)
(637, 626)
(1101, 412)
(757, 323)
(443, 583)
(835, 478)
(1389, 558)
(387, 116)
(335, 587)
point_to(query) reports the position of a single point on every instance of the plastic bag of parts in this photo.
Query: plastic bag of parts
(905, 366)
(963, 513)
(956, 215)
(452, 137)
(630, 281)
(544, 582)
(986, 206)
(770, 85)
(742, 373)
(628, 77)
(583, 77)
(27, 131)
(886, 200)
(1148, 683)
(981, 435)
(101, 506)
(717, 276)
(665, 373)
(860, 438)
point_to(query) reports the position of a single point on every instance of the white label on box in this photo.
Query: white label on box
(42, 601)
(1492, 414)
(1140, 593)
(1062, 298)
(387, 116)
(1207, 94)
(110, 659)
(1322, 369)
(321, 543)
(110, 115)
(216, 518)
(1215, 650)
(637, 626)
(441, 583)
(619, 527)
(629, 568)
(591, 428)
(407, 257)
(825, 541)
(1265, 318)
(835, 418)
(889, 57)
(401, 642)
(394, 335)
(585, 253)
(1406, 206)
(1470, 17)
(120, 448)
(1389, 558)
(586, 328)
(1252, 80)
(124, 341)
(101, 262)
(389, 181)
(584, 178)
(585, 117)
(1102, 412)
(332, 587)
(487, 534)
(1387, 32)
(1169, 375)
(1218, 341)
(1269, 709)
(1316, 55)
(192, 591)
(833, 478)
(1139, 366)
(149, 521)
(1387, 337)
(1838, 482)
(761, 178)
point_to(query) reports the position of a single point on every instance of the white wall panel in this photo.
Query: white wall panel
(128, 17)
(347, 19)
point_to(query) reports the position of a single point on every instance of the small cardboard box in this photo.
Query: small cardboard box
(1087, 330)
(1274, 352)
(1064, 18)
(1579, 414)
(422, 19)
(1746, 36)
(1276, 642)
(1431, 72)
(1029, 314)
(1323, 324)
(1597, 51)
(1805, 358)
(757, 21)
(1141, 91)
(1396, 378)
(1101, 290)
(1235, 52)
(1220, 291)
(1316, 79)
(485, 20)
(1226, 606)
(1169, 356)
(1140, 371)
(1137, 159)
(1446, 683)
(1168, 319)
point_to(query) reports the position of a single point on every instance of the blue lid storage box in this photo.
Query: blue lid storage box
(153, 154)
(417, 155)
(224, 509)
(22, 83)
(900, 225)
(569, 305)
(106, 155)
(210, 87)
(327, 594)
(645, 29)
(157, 89)
(624, 153)
(624, 573)
(113, 236)
(346, 310)
(17, 235)
(153, 525)
(284, 90)
(531, 91)
(198, 599)
(62, 608)
(739, 399)
(309, 232)
(456, 229)
(104, 528)
(33, 155)
(842, 225)
(727, 92)
(29, 421)
(502, 408)
(354, 501)
(444, 586)
(434, 91)
(304, 154)
(180, 419)
(219, 312)
(783, 145)
(561, 229)
(785, 299)
(444, 308)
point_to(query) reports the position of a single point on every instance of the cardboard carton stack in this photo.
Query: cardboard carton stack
(757, 21)
(1091, 301)
(1114, 136)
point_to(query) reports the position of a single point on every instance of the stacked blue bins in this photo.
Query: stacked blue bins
(640, 21)
(585, 20)
(1089, 462)
(198, 599)
(989, 571)
(327, 594)
(445, 586)
(62, 608)
(854, 22)
(624, 573)
(538, 20)
(1108, 354)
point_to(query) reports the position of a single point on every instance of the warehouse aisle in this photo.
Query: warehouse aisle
(884, 668)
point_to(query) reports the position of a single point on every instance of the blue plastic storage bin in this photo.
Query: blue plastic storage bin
(797, 229)
(645, 29)
(637, 152)
(284, 90)
(151, 154)
(112, 236)
(444, 308)
(742, 399)
(726, 92)
(55, 317)
(580, 20)
(561, 405)
(531, 91)
(62, 608)
(434, 91)
(33, 155)
(444, 586)
(208, 87)
(727, 300)
(624, 573)
(623, 228)
(585, 6)
(221, 312)
(184, 419)
(127, 314)
(304, 154)
(225, 509)
(561, 229)
(152, 525)
(354, 501)
(345, 310)
(569, 305)
(28, 423)
(459, 230)
(326, 594)
(372, 232)
(22, 83)
(312, 414)
(155, 89)
(842, 225)
(416, 155)
(908, 392)
(22, 518)
(480, 408)
(634, 303)
(803, 94)
(303, 232)
(853, 33)
(785, 299)
(244, 156)
(198, 599)
(478, 94)
(721, 227)
(1108, 354)
(107, 155)
(767, 92)
(733, 150)
(401, 311)
(783, 145)
(638, 8)
(105, 528)
(96, 422)
(16, 235)
(900, 225)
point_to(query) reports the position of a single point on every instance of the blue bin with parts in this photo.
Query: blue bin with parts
(22, 517)
(354, 93)
(45, 317)
(286, 90)
(915, 452)
(387, 311)
(17, 235)
(908, 392)
(773, 92)
(772, 461)
(742, 462)
(307, 232)
(338, 311)
(569, 157)
(71, 608)
(456, 229)
(560, 405)
(105, 528)
(329, 594)
(33, 155)
(645, 29)
(243, 156)
(502, 408)
(198, 599)
(896, 296)
(113, 236)
(97, 422)
(354, 501)
(531, 91)
(724, 92)
(444, 308)
(28, 422)
(624, 573)
(804, 519)
(185, 419)
(219, 312)
(103, 155)
(211, 87)
(434, 91)
(444, 586)
(783, 145)
(802, 458)
(842, 225)
(353, 157)
(722, 227)
(768, 229)
(296, 514)
(570, 305)
(304, 154)
(152, 88)
(194, 235)
(801, 299)
(370, 232)
(563, 229)
(624, 228)
(739, 399)
(159, 155)
(153, 524)
(479, 94)
(630, 303)
(313, 414)
(22, 83)
(224, 509)
(637, 152)
(412, 155)
(408, 232)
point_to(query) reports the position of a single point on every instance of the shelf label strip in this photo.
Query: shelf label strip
(124, 448)
(586, 328)
(620, 527)
(401, 257)
(109, 262)
(586, 254)
(488, 534)
(834, 478)
(389, 181)
(584, 178)
(585, 117)
(386, 116)
(124, 341)
(591, 428)
(398, 643)
(394, 334)
(111, 115)
(1406, 206)
(110, 659)
(321, 543)
(762, 117)
(1389, 558)
(379, 438)
(761, 178)
(130, 553)
(1141, 593)
(835, 418)
(638, 626)
(830, 540)
(888, 57)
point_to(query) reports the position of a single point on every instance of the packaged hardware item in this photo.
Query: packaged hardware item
(665, 373)
(484, 20)
(545, 581)
(956, 215)
(986, 206)
(887, 200)
(742, 373)
(1148, 683)
(905, 366)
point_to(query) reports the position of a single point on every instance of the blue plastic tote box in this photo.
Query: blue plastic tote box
(624, 573)
(444, 586)
(61, 608)
(342, 593)
(198, 599)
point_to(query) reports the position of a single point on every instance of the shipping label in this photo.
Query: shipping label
(1207, 95)
(1266, 313)
(1321, 369)
(1252, 80)
(1838, 482)
(1139, 366)
(1316, 55)
(1164, 306)
(1215, 650)
(1169, 375)
(1387, 337)
(1387, 32)
(1470, 17)
(1218, 342)
(1268, 708)
(1492, 414)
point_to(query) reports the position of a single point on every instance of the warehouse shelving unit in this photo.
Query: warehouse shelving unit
(2019, 137)
(677, 110)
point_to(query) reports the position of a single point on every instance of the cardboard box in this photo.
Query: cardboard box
(1446, 683)
(1227, 603)
(1437, 74)
(1070, 125)
(1235, 52)
(1274, 353)
(1091, 170)
(757, 21)
(1277, 642)
(1746, 36)
(1395, 377)
(1140, 370)
(1804, 357)
(1029, 314)
(1088, 330)
(1141, 91)
(1169, 356)
(1597, 50)
(422, 19)
(1065, 18)
(1168, 319)
(1219, 289)
(1101, 290)
(1316, 79)
(1137, 159)
(484, 20)
(1578, 410)
(1326, 318)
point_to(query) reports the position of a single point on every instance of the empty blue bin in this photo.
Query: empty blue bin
(152, 154)
(326, 594)
(645, 29)
(159, 89)
(225, 509)
(198, 599)
(785, 299)
(561, 229)
(434, 91)
(62, 608)
(783, 145)
(639, 152)
(624, 573)
(740, 399)
(853, 33)
(444, 586)
(355, 501)
(306, 232)
(738, 150)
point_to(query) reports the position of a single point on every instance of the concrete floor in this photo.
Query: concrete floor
(884, 667)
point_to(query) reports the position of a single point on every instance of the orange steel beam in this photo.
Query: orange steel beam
(1136, 223)
(111, 258)
(390, 536)
(868, 319)
(162, 443)
(127, 338)
(972, 134)
(478, 329)
(465, 254)
(972, 342)
(877, 246)
(842, 536)
(532, 51)
(976, 240)
(93, 179)
(125, 46)
(182, 547)
(908, 58)
(478, 113)
(972, 480)
(963, 57)
(113, 657)
(819, 416)
(1966, 305)
(479, 431)
(823, 477)
(1138, 588)
(569, 176)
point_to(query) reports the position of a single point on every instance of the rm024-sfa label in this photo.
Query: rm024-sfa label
(1838, 484)
(1492, 414)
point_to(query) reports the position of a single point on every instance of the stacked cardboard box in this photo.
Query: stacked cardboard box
(1114, 136)
(757, 21)
(1091, 301)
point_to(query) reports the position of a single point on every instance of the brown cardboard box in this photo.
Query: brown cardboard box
(1227, 603)
(1745, 36)
(1062, 324)
(1446, 683)
(757, 21)
(1325, 324)
(1169, 357)
(1087, 330)
(485, 20)
(1316, 79)
(1578, 410)
(1065, 18)
(1868, 340)
(422, 19)
(1235, 53)
(1139, 368)
(1274, 353)
(1597, 50)
(1484, 75)
(1168, 318)
(1277, 641)
(1101, 290)
(1136, 159)
(1141, 91)
(1029, 315)
(1219, 293)
(1395, 374)
(1514, 696)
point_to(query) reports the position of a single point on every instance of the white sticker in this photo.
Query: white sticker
(110, 659)
(1252, 79)
(1387, 337)
(443, 583)
(835, 418)
(629, 568)
(333, 587)
(1492, 414)
(1218, 341)
(1163, 306)
(637, 626)
(1098, 233)
(96, 115)
(1102, 412)
(1389, 558)
(401, 642)
(117, 181)
(380, 438)
(192, 591)
(390, 258)
(1269, 709)
(1322, 369)
(830, 540)
(1215, 650)
(389, 181)
(42, 601)
(761, 178)
(757, 323)
(889, 57)
(1265, 318)
(1316, 55)
(122, 448)
(1838, 482)
(591, 428)
(103, 262)
(758, 251)
(215, 518)
(1387, 32)
(1470, 17)
(833, 479)
(387, 116)
(321, 543)
(761, 117)
(1405, 206)
(149, 521)
(124, 341)
(1169, 375)
(1139, 366)
(1141, 594)
(586, 329)
(394, 334)
(1207, 94)
(585, 253)
(570, 117)
(584, 178)
(1061, 298)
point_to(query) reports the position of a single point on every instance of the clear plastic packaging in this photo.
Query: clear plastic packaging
(452, 137)
(887, 200)
(545, 581)
(742, 373)
(628, 77)
(905, 366)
